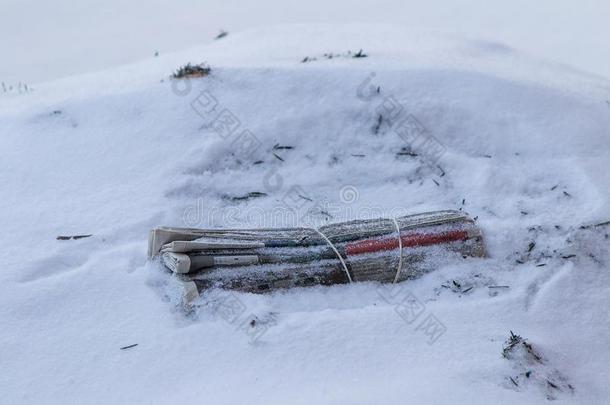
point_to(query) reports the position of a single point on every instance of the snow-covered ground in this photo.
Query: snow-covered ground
(42, 40)
(523, 147)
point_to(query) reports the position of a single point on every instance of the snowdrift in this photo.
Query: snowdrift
(303, 132)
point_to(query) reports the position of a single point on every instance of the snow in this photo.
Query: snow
(104, 34)
(119, 152)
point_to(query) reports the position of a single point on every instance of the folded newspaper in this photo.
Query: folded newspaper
(261, 260)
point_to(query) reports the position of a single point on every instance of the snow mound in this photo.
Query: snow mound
(416, 122)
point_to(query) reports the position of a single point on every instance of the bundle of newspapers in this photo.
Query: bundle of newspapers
(260, 260)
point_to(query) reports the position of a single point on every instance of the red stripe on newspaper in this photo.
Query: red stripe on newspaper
(408, 240)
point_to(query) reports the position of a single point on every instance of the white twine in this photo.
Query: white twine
(400, 248)
(337, 252)
(349, 277)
